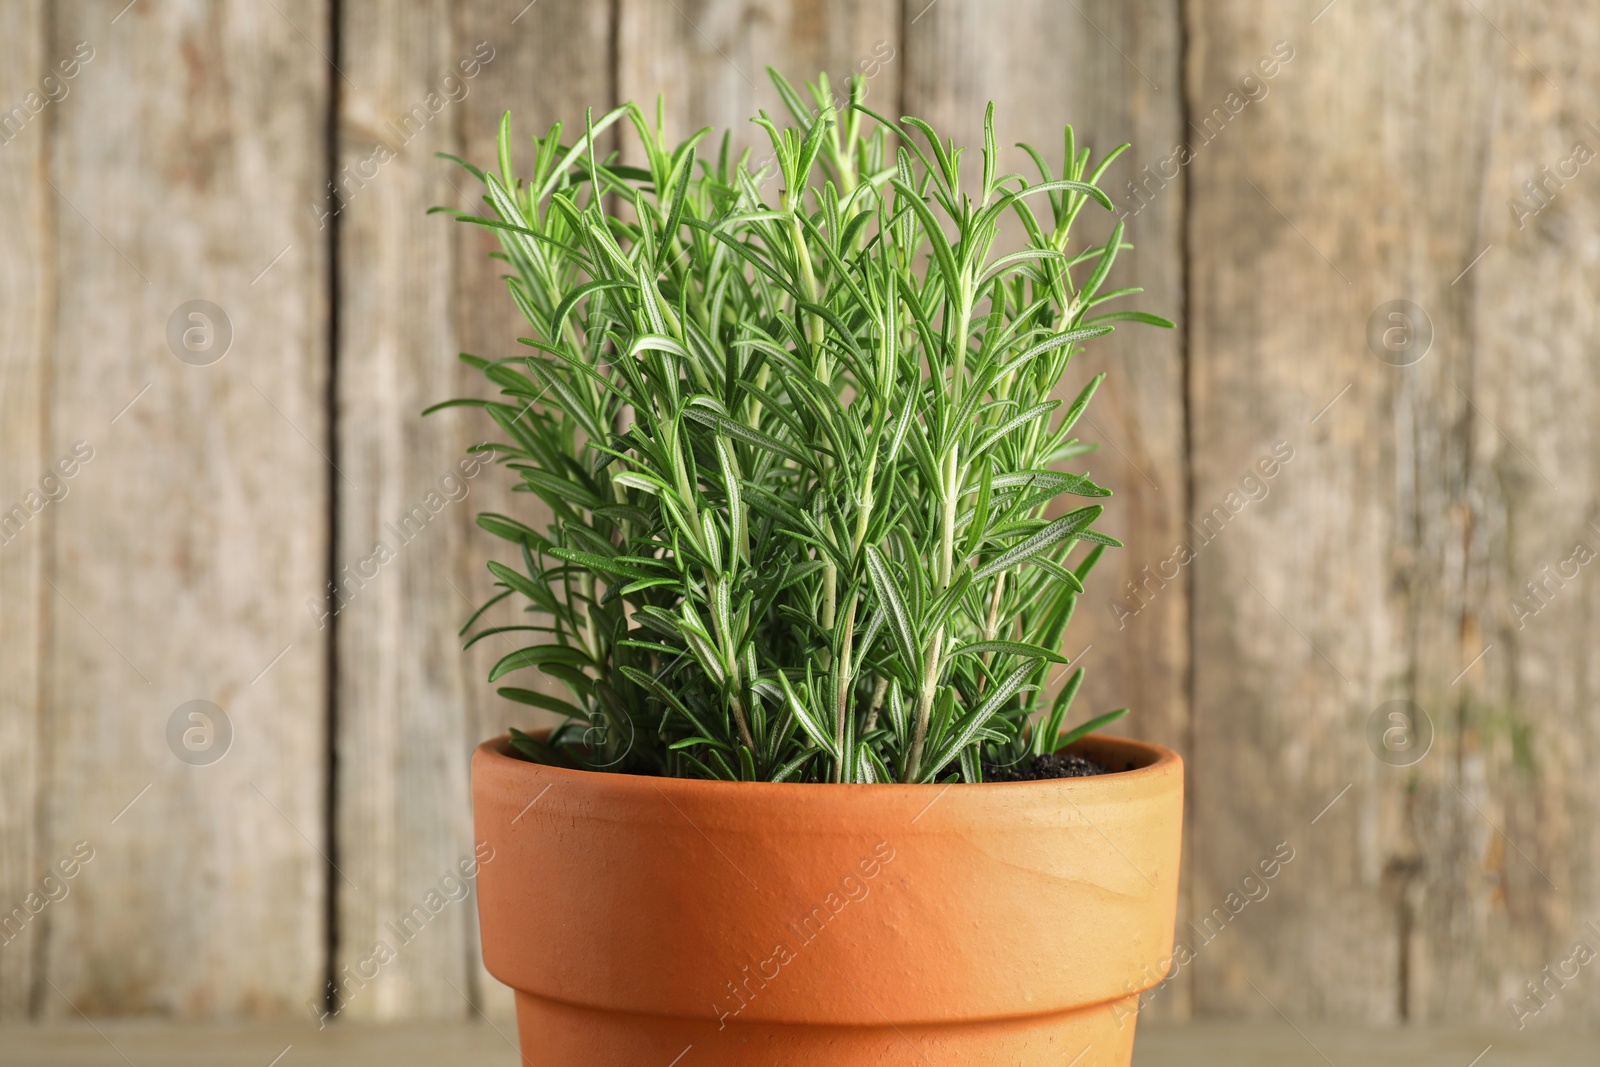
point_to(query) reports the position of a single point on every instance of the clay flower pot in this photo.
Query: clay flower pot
(666, 921)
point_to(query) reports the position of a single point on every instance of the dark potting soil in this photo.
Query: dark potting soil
(1040, 768)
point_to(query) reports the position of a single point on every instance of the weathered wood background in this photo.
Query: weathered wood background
(1424, 535)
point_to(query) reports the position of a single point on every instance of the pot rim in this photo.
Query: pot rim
(1152, 761)
(1104, 849)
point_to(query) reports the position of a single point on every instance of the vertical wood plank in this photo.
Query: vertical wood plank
(709, 58)
(416, 289)
(182, 163)
(1112, 70)
(25, 264)
(401, 700)
(1508, 824)
(1292, 636)
(1353, 183)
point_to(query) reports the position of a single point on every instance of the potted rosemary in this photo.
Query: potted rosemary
(809, 557)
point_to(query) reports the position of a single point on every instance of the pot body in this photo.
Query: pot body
(641, 920)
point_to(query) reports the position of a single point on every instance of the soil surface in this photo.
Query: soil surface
(1039, 768)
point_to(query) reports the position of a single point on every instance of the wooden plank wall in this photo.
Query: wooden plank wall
(25, 275)
(1388, 163)
(1314, 531)
(191, 514)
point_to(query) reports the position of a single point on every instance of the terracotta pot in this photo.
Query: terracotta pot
(649, 921)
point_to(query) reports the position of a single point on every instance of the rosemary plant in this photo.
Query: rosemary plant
(797, 455)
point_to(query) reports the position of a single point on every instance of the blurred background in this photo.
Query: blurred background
(1359, 484)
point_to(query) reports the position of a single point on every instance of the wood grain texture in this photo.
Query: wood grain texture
(1295, 634)
(1352, 182)
(403, 816)
(1507, 823)
(416, 290)
(1112, 71)
(181, 164)
(709, 58)
(25, 255)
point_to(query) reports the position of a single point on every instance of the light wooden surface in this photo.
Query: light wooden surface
(483, 1045)
(25, 232)
(1301, 642)
(176, 566)
(1383, 564)
(1384, 561)
(1516, 807)
(403, 691)
(710, 59)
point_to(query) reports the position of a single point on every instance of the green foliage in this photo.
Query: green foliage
(797, 455)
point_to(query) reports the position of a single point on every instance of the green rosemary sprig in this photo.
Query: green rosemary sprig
(799, 452)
